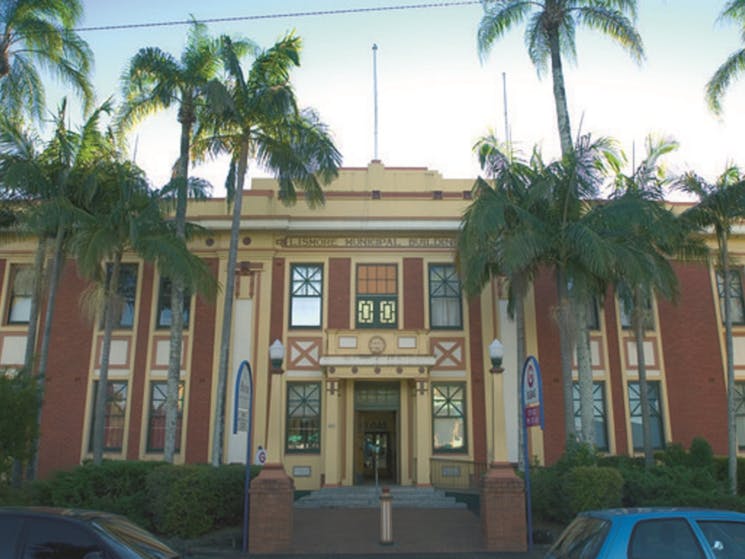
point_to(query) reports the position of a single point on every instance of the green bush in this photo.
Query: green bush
(113, 486)
(592, 487)
(545, 494)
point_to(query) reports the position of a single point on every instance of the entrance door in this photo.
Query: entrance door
(376, 444)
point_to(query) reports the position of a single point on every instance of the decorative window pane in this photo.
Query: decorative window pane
(598, 413)
(444, 297)
(625, 314)
(306, 295)
(21, 288)
(737, 308)
(377, 296)
(116, 408)
(449, 417)
(655, 415)
(124, 308)
(740, 413)
(156, 427)
(303, 417)
(164, 305)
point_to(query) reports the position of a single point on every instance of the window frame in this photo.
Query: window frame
(377, 299)
(444, 284)
(737, 297)
(164, 304)
(149, 448)
(13, 299)
(740, 413)
(652, 386)
(625, 320)
(310, 389)
(126, 301)
(108, 415)
(598, 388)
(304, 283)
(453, 388)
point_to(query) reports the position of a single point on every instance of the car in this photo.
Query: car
(56, 533)
(652, 533)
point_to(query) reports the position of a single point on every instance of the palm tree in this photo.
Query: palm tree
(550, 34)
(731, 68)
(123, 215)
(155, 80)
(40, 34)
(503, 234)
(648, 237)
(260, 120)
(720, 205)
(54, 177)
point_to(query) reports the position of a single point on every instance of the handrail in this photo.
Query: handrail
(448, 473)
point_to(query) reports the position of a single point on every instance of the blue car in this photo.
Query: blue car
(653, 533)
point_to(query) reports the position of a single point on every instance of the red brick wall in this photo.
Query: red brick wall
(202, 369)
(413, 293)
(63, 411)
(693, 364)
(278, 302)
(549, 352)
(137, 383)
(476, 348)
(617, 386)
(340, 270)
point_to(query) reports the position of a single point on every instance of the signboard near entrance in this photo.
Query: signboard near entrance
(532, 393)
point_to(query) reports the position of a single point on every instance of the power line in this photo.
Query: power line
(172, 23)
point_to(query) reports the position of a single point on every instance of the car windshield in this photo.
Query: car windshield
(582, 539)
(125, 535)
(726, 539)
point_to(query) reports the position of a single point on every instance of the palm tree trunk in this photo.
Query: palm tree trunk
(227, 316)
(565, 343)
(638, 320)
(560, 95)
(584, 374)
(520, 290)
(33, 326)
(99, 416)
(57, 261)
(177, 295)
(731, 404)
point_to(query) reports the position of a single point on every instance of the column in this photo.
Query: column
(423, 418)
(332, 433)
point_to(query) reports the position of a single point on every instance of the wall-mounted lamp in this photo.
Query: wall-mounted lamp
(276, 356)
(496, 354)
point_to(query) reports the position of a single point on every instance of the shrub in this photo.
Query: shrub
(591, 487)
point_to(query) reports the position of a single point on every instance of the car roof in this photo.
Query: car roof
(78, 514)
(660, 512)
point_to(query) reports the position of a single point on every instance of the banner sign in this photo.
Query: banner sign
(532, 393)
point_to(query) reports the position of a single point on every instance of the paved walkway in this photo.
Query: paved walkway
(355, 533)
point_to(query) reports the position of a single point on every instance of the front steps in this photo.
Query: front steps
(368, 496)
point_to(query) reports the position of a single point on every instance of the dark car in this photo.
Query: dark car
(653, 533)
(49, 533)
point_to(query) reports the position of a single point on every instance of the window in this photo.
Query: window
(113, 423)
(127, 290)
(625, 314)
(740, 414)
(21, 288)
(164, 305)
(666, 537)
(737, 307)
(655, 415)
(156, 427)
(377, 296)
(593, 317)
(444, 297)
(306, 295)
(303, 417)
(449, 417)
(54, 538)
(598, 413)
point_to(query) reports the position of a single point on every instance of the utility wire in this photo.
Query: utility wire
(399, 7)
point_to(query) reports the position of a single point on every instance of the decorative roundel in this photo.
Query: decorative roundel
(354, 370)
(399, 370)
(246, 241)
(376, 345)
(377, 370)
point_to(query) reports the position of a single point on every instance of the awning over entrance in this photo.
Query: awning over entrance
(377, 366)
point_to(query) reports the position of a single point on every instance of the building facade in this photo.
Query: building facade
(386, 373)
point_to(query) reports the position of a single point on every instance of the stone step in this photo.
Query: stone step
(369, 497)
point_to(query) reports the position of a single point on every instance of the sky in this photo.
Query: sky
(435, 96)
